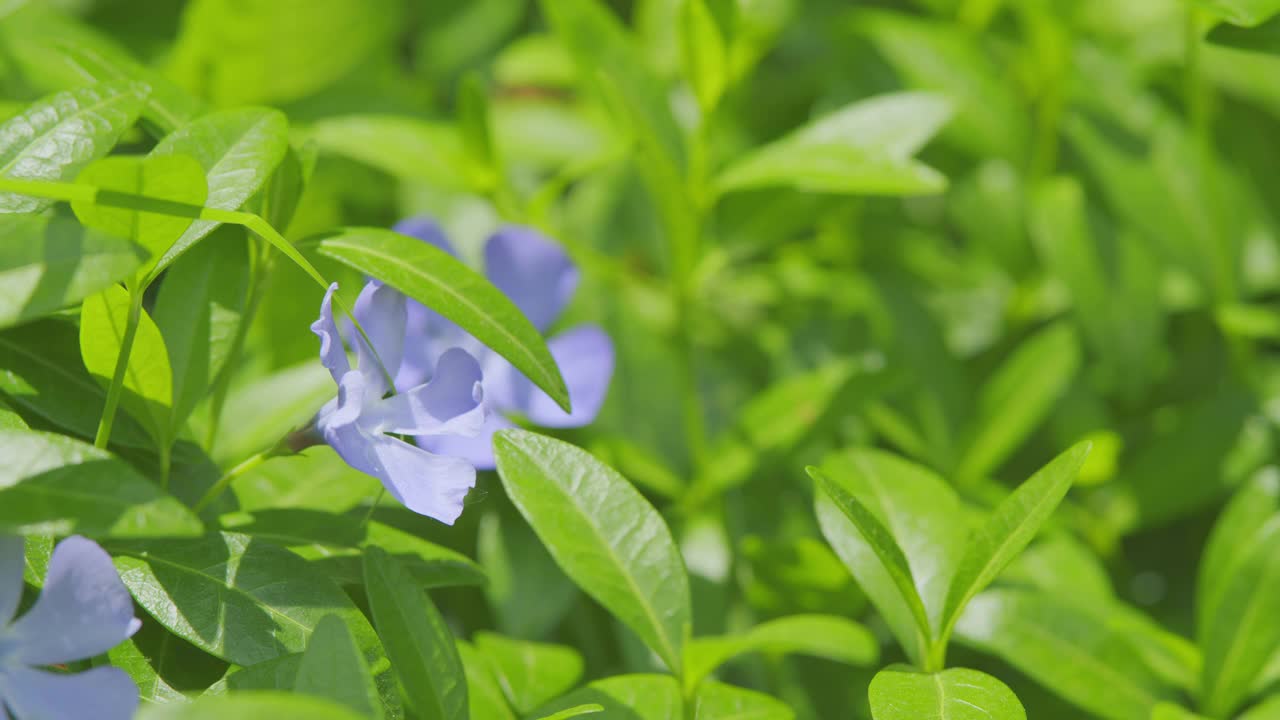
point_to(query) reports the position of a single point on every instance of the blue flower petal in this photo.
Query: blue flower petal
(426, 230)
(381, 312)
(449, 403)
(585, 357)
(103, 693)
(531, 270)
(477, 450)
(83, 610)
(332, 355)
(12, 555)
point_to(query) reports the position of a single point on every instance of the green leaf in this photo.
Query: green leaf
(1268, 709)
(484, 696)
(56, 52)
(1169, 711)
(418, 642)
(717, 701)
(954, 694)
(624, 697)
(604, 535)
(1073, 649)
(862, 148)
(247, 427)
(436, 279)
(1240, 527)
(50, 263)
(923, 516)
(530, 673)
(519, 567)
(706, 61)
(575, 711)
(152, 688)
(55, 484)
(1017, 398)
(238, 149)
(334, 668)
(403, 147)
(1243, 633)
(1248, 13)
(175, 178)
(198, 311)
(254, 705)
(825, 636)
(477, 133)
(1009, 529)
(875, 536)
(148, 381)
(43, 374)
(242, 600)
(1263, 38)
(60, 134)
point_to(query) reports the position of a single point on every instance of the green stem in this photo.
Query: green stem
(382, 492)
(224, 482)
(122, 365)
(1194, 91)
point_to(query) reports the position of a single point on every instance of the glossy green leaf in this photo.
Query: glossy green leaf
(954, 694)
(238, 149)
(862, 148)
(1010, 528)
(418, 642)
(1243, 12)
(1018, 397)
(717, 701)
(50, 263)
(706, 61)
(485, 697)
(334, 668)
(42, 373)
(60, 134)
(443, 283)
(152, 688)
(55, 484)
(258, 705)
(175, 178)
(530, 674)
(198, 311)
(604, 535)
(825, 636)
(148, 380)
(922, 515)
(1070, 648)
(624, 697)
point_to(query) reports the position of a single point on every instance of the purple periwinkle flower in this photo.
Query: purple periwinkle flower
(84, 610)
(538, 276)
(359, 424)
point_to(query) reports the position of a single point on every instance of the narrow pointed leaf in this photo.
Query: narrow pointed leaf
(334, 668)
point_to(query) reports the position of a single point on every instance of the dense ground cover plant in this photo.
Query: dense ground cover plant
(651, 360)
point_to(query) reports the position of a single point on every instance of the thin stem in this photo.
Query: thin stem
(122, 365)
(382, 492)
(224, 482)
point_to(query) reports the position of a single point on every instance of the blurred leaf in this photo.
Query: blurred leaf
(1071, 650)
(238, 149)
(604, 535)
(1241, 525)
(42, 373)
(1243, 12)
(862, 148)
(824, 636)
(55, 484)
(484, 696)
(1169, 711)
(175, 178)
(918, 511)
(257, 705)
(1017, 398)
(624, 697)
(147, 379)
(1266, 710)
(530, 674)
(717, 701)
(334, 668)
(955, 694)
(706, 65)
(1010, 528)
(198, 311)
(443, 283)
(49, 263)
(418, 642)
(1264, 38)
(575, 711)
(283, 49)
(405, 148)
(60, 134)
(258, 413)
(518, 567)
